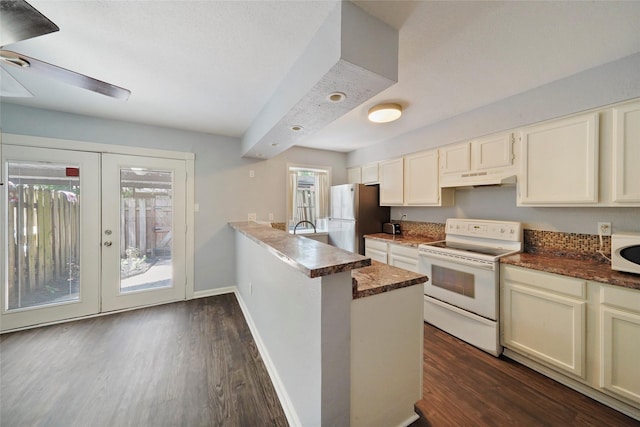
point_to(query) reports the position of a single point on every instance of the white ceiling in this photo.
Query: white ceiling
(210, 66)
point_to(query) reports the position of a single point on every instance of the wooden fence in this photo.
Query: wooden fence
(146, 226)
(44, 234)
(43, 237)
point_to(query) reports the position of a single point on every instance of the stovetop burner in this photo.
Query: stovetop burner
(480, 239)
(472, 248)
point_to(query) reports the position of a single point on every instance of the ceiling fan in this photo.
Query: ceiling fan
(20, 21)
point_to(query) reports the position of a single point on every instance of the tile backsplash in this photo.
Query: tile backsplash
(553, 243)
(572, 245)
(414, 228)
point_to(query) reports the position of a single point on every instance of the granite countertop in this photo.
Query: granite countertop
(379, 278)
(406, 240)
(579, 268)
(312, 258)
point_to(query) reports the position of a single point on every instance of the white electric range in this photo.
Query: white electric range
(462, 294)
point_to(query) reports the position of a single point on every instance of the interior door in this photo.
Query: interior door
(143, 231)
(50, 208)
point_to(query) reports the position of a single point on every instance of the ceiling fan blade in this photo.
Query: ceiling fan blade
(20, 21)
(64, 75)
(10, 87)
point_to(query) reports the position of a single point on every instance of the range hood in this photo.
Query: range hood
(478, 179)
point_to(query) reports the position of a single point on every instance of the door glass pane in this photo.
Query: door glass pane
(146, 214)
(43, 219)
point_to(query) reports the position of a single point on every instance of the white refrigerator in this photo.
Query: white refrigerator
(355, 211)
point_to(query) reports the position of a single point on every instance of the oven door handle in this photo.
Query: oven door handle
(458, 259)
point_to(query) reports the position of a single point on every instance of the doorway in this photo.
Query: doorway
(88, 233)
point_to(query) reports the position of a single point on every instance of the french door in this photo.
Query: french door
(143, 231)
(86, 232)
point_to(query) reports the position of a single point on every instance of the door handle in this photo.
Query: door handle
(108, 243)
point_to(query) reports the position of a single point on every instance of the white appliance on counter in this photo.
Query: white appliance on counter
(463, 292)
(625, 252)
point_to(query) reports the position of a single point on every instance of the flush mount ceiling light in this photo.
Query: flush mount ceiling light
(384, 113)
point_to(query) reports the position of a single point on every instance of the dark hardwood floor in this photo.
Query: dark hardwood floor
(464, 386)
(190, 363)
(195, 363)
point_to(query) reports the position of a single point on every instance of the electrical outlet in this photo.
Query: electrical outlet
(251, 217)
(252, 174)
(604, 228)
(270, 217)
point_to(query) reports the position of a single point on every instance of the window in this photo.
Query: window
(308, 190)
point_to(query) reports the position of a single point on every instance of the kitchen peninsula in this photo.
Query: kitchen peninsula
(341, 336)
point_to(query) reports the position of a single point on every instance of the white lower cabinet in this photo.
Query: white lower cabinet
(584, 334)
(403, 257)
(376, 250)
(620, 342)
(394, 254)
(544, 317)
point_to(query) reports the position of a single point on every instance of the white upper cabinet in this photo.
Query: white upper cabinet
(626, 154)
(492, 152)
(370, 174)
(391, 174)
(354, 175)
(413, 180)
(560, 163)
(482, 161)
(421, 181)
(455, 159)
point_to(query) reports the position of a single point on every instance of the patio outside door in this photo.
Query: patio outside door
(86, 233)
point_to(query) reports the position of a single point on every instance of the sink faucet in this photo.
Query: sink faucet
(302, 222)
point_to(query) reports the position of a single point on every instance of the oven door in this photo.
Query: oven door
(470, 287)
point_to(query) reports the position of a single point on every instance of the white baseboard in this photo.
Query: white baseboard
(410, 420)
(213, 292)
(285, 401)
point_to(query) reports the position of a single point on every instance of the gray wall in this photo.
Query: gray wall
(593, 88)
(223, 188)
(499, 203)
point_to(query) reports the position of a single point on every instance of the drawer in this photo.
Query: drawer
(555, 283)
(378, 245)
(404, 251)
(617, 296)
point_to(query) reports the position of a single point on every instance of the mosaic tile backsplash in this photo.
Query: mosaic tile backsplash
(279, 225)
(414, 228)
(571, 245)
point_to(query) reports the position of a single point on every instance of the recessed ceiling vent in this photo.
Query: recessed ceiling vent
(352, 58)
